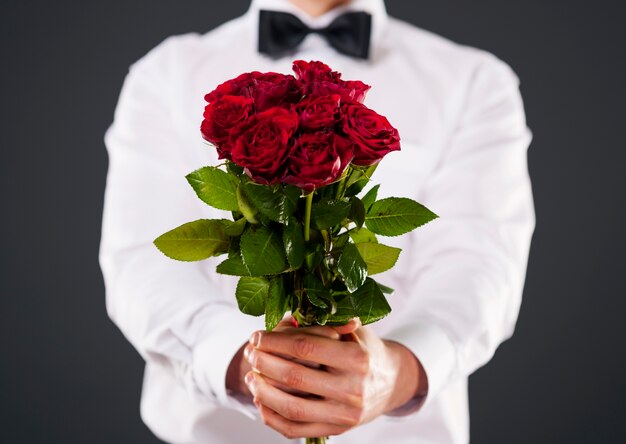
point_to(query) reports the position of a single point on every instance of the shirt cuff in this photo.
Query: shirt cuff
(213, 354)
(430, 344)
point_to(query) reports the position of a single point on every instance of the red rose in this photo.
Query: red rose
(314, 71)
(355, 89)
(233, 87)
(272, 89)
(267, 89)
(319, 112)
(220, 117)
(261, 145)
(317, 79)
(371, 133)
(318, 159)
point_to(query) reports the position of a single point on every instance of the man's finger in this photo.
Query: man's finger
(318, 330)
(298, 409)
(303, 379)
(294, 430)
(348, 328)
(289, 390)
(285, 326)
(325, 351)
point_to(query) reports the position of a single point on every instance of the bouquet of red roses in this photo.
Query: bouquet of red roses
(297, 153)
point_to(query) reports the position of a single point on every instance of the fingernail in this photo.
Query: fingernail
(251, 357)
(246, 351)
(255, 339)
(250, 382)
(249, 378)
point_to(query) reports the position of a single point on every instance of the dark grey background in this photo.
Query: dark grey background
(68, 376)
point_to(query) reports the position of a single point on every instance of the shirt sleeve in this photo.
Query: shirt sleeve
(467, 268)
(173, 313)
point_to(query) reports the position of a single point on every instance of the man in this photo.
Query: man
(458, 281)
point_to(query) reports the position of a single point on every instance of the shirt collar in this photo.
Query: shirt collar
(375, 7)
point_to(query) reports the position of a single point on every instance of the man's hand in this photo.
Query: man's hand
(347, 382)
(239, 366)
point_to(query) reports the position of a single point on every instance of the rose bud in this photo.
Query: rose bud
(318, 159)
(220, 117)
(372, 134)
(262, 144)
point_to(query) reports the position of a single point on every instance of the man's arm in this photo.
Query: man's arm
(173, 313)
(466, 270)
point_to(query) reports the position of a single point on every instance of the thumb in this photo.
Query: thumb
(348, 328)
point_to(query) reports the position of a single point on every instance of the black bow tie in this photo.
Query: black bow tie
(349, 33)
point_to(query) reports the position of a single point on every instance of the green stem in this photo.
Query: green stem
(341, 188)
(307, 216)
(321, 440)
(327, 241)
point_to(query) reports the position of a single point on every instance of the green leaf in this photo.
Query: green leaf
(378, 257)
(329, 212)
(314, 255)
(362, 235)
(277, 303)
(316, 300)
(344, 312)
(194, 241)
(291, 202)
(274, 202)
(233, 249)
(385, 289)
(233, 168)
(262, 251)
(357, 186)
(215, 187)
(266, 199)
(369, 302)
(357, 211)
(251, 294)
(370, 197)
(233, 266)
(394, 216)
(293, 239)
(315, 291)
(353, 175)
(352, 267)
(236, 228)
(340, 241)
(247, 209)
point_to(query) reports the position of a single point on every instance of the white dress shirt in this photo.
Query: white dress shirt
(458, 281)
